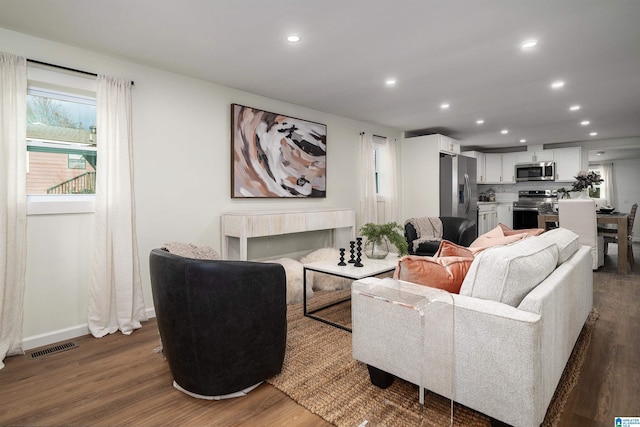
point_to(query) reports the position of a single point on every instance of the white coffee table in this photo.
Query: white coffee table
(371, 267)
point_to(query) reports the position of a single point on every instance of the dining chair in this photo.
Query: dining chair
(611, 235)
(579, 216)
(546, 209)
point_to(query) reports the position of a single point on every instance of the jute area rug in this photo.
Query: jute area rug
(320, 374)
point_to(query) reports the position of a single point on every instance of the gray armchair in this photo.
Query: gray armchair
(223, 324)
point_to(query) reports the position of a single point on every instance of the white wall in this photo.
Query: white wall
(181, 132)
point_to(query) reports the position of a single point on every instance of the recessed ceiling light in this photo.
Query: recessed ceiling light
(585, 122)
(444, 106)
(557, 84)
(593, 134)
(528, 44)
(523, 140)
(600, 153)
(504, 131)
(293, 38)
(390, 82)
(479, 121)
(574, 108)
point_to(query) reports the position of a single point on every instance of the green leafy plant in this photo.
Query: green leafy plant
(586, 180)
(391, 230)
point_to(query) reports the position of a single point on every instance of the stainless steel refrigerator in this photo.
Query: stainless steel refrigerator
(458, 186)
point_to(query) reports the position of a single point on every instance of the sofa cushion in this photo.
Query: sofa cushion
(495, 237)
(566, 241)
(443, 273)
(508, 273)
(508, 231)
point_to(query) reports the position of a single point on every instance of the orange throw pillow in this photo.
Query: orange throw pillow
(494, 237)
(448, 248)
(443, 273)
(507, 231)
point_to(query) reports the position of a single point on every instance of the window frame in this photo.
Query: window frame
(43, 81)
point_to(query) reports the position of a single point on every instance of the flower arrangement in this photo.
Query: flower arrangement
(585, 180)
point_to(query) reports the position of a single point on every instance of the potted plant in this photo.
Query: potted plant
(584, 182)
(379, 235)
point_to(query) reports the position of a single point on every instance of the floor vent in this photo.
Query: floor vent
(53, 349)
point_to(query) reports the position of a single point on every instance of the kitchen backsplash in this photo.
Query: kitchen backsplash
(509, 192)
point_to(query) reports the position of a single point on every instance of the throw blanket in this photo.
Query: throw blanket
(429, 229)
(189, 250)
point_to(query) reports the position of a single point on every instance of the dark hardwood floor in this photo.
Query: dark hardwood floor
(120, 381)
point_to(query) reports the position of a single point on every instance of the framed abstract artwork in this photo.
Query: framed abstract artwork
(274, 156)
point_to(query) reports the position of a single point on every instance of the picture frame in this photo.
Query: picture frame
(276, 156)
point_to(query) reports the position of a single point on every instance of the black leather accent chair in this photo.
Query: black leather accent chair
(223, 324)
(461, 231)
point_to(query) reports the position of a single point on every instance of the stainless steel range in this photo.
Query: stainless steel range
(525, 210)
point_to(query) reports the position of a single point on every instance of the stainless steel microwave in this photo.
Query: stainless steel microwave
(542, 171)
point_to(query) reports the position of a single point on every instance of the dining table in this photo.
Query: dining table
(618, 218)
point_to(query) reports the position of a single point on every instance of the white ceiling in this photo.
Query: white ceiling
(465, 52)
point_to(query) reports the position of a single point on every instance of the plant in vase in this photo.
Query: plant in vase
(378, 238)
(585, 181)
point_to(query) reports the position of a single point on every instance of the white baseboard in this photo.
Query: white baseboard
(65, 334)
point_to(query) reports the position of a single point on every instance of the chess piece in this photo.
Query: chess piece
(359, 253)
(342, 257)
(352, 260)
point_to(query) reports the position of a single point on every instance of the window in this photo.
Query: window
(61, 143)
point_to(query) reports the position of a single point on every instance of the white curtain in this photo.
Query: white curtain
(13, 212)
(606, 173)
(388, 181)
(368, 197)
(115, 295)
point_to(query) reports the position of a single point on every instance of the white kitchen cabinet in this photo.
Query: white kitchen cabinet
(480, 164)
(493, 168)
(509, 161)
(505, 214)
(447, 145)
(535, 156)
(487, 217)
(568, 163)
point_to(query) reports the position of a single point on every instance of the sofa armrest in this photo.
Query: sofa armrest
(496, 351)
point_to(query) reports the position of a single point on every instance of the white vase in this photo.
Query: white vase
(583, 194)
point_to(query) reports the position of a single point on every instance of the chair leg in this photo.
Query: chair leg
(630, 255)
(606, 247)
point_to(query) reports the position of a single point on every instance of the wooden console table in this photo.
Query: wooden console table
(246, 225)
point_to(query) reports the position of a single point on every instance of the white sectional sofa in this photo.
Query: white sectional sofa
(519, 313)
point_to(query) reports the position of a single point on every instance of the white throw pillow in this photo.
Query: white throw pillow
(508, 273)
(566, 241)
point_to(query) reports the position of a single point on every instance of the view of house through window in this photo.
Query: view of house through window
(61, 143)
